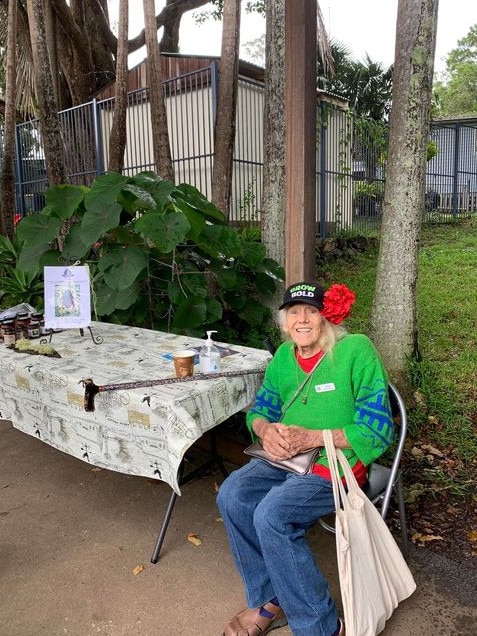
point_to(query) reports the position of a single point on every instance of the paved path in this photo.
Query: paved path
(71, 536)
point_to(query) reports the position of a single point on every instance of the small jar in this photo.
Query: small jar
(41, 322)
(9, 333)
(21, 324)
(33, 329)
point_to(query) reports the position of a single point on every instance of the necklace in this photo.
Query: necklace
(304, 398)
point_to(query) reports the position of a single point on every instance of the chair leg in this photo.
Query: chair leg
(402, 515)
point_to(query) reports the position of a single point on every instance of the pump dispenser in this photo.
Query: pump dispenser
(209, 356)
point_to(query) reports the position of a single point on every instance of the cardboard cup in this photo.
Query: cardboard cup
(184, 363)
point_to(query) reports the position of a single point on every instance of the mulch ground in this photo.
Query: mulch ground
(441, 501)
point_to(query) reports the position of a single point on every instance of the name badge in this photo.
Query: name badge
(322, 388)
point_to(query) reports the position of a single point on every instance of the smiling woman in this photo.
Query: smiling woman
(321, 378)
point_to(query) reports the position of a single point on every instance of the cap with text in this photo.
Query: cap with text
(308, 293)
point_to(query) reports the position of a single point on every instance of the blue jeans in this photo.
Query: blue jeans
(267, 512)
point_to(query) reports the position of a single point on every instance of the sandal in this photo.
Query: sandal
(252, 622)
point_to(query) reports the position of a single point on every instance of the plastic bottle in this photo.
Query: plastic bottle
(209, 356)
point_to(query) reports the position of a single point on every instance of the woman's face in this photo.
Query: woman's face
(303, 323)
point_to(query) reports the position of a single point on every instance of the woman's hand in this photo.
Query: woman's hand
(282, 441)
(301, 439)
(273, 437)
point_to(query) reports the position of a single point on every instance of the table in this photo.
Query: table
(143, 431)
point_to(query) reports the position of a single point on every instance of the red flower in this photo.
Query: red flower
(337, 303)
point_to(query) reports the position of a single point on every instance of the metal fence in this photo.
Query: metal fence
(350, 158)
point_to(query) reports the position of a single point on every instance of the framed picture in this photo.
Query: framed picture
(67, 297)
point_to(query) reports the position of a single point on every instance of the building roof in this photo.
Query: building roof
(175, 65)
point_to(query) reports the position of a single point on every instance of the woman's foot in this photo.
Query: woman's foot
(256, 622)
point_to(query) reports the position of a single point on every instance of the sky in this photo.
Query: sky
(364, 26)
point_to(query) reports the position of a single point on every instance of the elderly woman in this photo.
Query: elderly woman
(267, 510)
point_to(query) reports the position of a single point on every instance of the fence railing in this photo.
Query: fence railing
(350, 166)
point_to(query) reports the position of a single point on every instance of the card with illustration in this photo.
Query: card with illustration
(67, 297)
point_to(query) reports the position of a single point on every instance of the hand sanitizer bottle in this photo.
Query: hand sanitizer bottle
(209, 356)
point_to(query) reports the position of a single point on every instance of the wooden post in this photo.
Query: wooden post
(300, 152)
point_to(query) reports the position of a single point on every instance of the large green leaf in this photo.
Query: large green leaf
(254, 313)
(271, 268)
(108, 300)
(36, 229)
(104, 190)
(97, 221)
(252, 253)
(160, 189)
(122, 266)
(191, 282)
(74, 247)
(166, 231)
(229, 279)
(135, 198)
(189, 314)
(63, 200)
(265, 284)
(196, 220)
(29, 259)
(195, 199)
(234, 300)
(220, 241)
(214, 310)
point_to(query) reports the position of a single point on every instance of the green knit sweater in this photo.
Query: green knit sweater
(348, 389)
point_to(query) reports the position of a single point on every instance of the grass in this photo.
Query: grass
(445, 411)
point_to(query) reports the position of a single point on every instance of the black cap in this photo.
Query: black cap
(307, 293)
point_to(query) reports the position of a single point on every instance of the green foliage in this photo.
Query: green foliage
(366, 189)
(367, 85)
(455, 94)
(161, 256)
(432, 149)
(16, 286)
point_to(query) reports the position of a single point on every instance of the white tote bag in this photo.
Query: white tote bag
(374, 576)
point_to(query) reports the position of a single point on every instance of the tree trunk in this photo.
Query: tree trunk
(273, 204)
(224, 134)
(50, 31)
(49, 121)
(7, 183)
(394, 316)
(117, 136)
(160, 133)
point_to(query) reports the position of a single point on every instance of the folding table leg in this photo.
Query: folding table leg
(214, 459)
(162, 533)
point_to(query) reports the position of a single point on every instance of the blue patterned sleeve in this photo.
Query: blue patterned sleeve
(372, 431)
(268, 403)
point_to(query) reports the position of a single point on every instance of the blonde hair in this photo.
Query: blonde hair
(330, 333)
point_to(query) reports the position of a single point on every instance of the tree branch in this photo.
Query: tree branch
(169, 12)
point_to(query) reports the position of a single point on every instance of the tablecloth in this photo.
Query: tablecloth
(143, 431)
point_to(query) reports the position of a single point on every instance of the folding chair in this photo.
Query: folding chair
(384, 482)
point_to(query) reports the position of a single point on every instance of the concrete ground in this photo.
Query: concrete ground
(71, 537)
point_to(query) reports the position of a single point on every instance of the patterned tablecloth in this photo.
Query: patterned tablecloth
(143, 431)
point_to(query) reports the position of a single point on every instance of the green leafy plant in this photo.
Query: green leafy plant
(160, 256)
(16, 285)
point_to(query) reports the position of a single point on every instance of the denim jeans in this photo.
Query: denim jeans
(267, 512)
